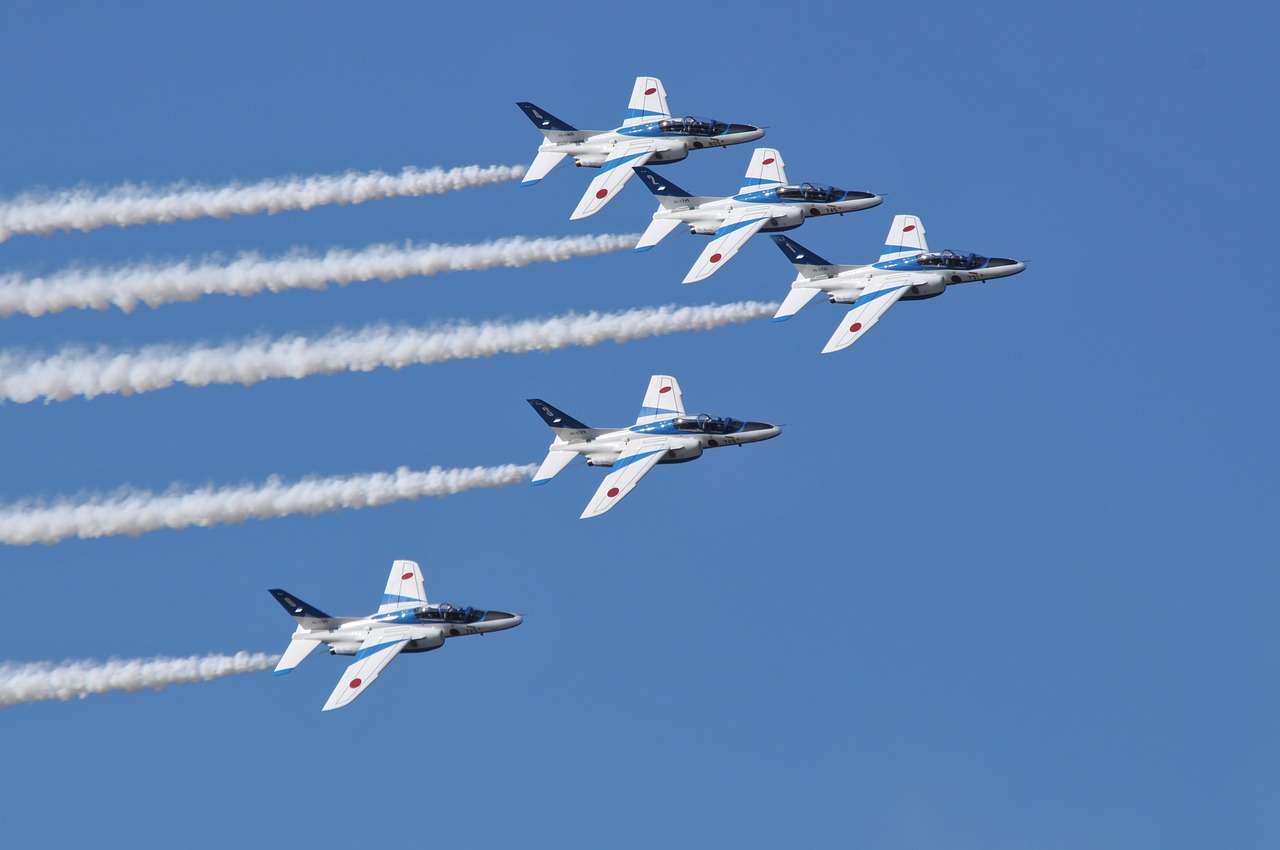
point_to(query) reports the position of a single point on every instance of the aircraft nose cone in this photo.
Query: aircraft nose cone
(749, 130)
(1006, 266)
(761, 430)
(865, 200)
(491, 616)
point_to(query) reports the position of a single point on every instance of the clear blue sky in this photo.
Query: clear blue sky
(1007, 579)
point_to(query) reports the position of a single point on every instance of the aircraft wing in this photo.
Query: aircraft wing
(740, 226)
(628, 469)
(662, 400)
(867, 310)
(376, 652)
(615, 171)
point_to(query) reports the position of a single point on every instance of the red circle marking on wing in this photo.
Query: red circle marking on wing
(665, 390)
(613, 491)
(855, 327)
(602, 193)
(406, 576)
(768, 161)
(908, 228)
(650, 90)
(715, 258)
(355, 683)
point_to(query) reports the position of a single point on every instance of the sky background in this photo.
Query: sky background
(1007, 579)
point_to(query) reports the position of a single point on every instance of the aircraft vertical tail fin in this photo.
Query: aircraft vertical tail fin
(905, 239)
(552, 127)
(306, 616)
(648, 102)
(766, 171)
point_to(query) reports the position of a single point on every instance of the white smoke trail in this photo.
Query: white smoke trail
(122, 206)
(44, 680)
(134, 512)
(77, 372)
(126, 287)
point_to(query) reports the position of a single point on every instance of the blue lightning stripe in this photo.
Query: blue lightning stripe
(611, 164)
(630, 460)
(657, 411)
(729, 228)
(391, 599)
(365, 653)
(868, 298)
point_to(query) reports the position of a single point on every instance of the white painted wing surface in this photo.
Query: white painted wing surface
(615, 172)
(740, 226)
(867, 310)
(637, 459)
(405, 588)
(375, 653)
(662, 400)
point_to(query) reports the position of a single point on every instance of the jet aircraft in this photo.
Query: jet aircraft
(405, 622)
(649, 133)
(765, 202)
(663, 433)
(907, 270)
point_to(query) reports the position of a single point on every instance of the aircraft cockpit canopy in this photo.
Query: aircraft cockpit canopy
(950, 260)
(706, 424)
(816, 192)
(446, 613)
(692, 125)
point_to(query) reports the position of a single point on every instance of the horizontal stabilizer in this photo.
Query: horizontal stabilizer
(297, 651)
(555, 461)
(542, 165)
(796, 298)
(657, 230)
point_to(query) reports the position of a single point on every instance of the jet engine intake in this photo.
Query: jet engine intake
(590, 160)
(344, 648)
(786, 220)
(921, 291)
(683, 454)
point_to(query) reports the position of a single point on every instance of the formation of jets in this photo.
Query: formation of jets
(663, 432)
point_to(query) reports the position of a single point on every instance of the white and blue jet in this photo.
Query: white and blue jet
(765, 202)
(405, 622)
(906, 271)
(663, 433)
(649, 133)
